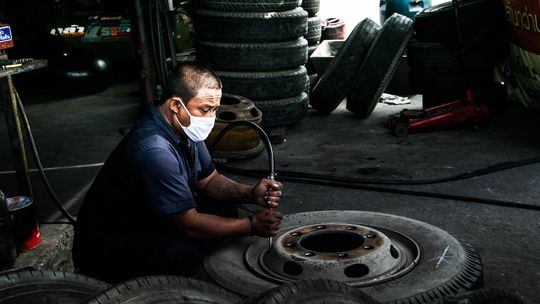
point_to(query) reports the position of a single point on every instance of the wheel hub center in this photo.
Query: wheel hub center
(355, 254)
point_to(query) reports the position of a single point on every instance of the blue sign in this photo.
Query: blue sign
(5, 34)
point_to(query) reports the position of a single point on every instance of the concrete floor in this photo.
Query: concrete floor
(77, 134)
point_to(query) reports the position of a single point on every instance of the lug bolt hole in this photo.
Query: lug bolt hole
(290, 245)
(320, 227)
(343, 255)
(351, 228)
(368, 247)
(309, 254)
(296, 234)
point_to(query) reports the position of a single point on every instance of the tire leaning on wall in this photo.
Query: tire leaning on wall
(251, 5)
(379, 65)
(336, 79)
(254, 27)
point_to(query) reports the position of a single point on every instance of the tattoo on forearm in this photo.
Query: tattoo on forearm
(228, 188)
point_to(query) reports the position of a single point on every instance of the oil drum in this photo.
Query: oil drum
(239, 142)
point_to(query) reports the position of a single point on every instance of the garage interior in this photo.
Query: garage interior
(475, 179)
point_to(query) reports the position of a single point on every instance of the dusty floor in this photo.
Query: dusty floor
(75, 135)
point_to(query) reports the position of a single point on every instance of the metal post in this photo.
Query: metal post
(14, 126)
(143, 52)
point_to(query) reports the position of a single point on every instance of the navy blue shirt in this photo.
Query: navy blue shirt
(151, 173)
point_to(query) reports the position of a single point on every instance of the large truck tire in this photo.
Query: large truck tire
(283, 112)
(48, 287)
(314, 30)
(379, 65)
(311, 6)
(252, 56)
(251, 5)
(265, 85)
(251, 27)
(334, 83)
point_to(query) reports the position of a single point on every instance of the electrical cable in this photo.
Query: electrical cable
(358, 184)
(55, 199)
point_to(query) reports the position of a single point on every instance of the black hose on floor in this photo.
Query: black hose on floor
(55, 199)
(368, 184)
(406, 182)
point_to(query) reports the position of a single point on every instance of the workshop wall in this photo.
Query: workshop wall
(520, 71)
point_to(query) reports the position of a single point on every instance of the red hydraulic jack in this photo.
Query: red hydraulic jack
(453, 114)
(449, 115)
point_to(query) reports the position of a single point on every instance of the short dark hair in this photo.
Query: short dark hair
(186, 79)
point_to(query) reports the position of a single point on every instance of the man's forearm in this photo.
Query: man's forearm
(208, 226)
(221, 188)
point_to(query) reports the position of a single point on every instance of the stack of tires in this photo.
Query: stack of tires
(259, 52)
(434, 54)
(314, 30)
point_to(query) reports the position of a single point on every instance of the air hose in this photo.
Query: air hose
(55, 199)
(262, 135)
(369, 184)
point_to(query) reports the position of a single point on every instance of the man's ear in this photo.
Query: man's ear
(174, 104)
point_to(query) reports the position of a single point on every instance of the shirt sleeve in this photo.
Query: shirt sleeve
(165, 181)
(207, 165)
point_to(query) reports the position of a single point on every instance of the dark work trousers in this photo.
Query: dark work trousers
(115, 259)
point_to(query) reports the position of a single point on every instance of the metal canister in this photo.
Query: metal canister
(8, 253)
(26, 233)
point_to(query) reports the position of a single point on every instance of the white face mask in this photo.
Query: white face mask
(199, 127)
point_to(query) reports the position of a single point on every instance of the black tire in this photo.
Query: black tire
(251, 5)
(423, 80)
(265, 85)
(314, 30)
(425, 282)
(336, 79)
(435, 56)
(159, 289)
(251, 56)
(283, 112)
(43, 286)
(317, 291)
(250, 26)
(311, 6)
(379, 65)
(438, 23)
(482, 296)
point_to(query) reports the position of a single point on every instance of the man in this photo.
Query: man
(158, 198)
